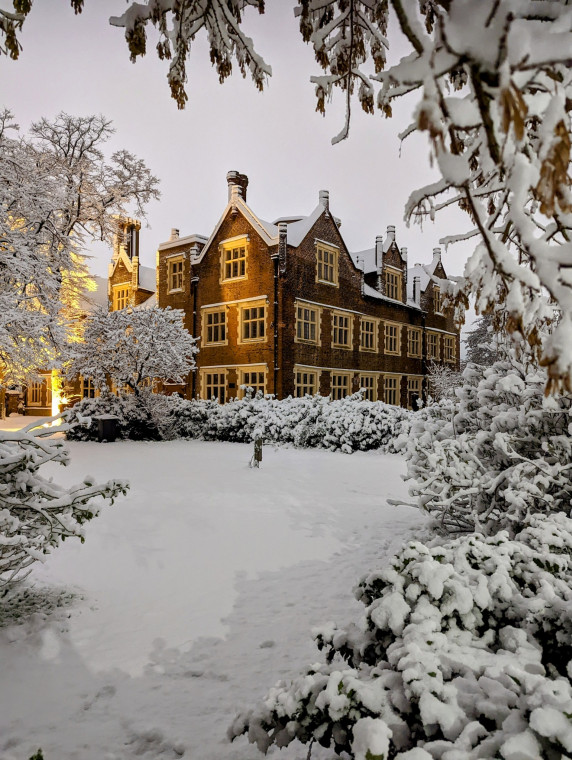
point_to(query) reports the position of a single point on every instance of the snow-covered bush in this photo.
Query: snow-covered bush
(135, 416)
(351, 424)
(35, 513)
(464, 653)
(499, 452)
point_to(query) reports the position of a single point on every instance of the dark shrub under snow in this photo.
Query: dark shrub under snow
(351, 424)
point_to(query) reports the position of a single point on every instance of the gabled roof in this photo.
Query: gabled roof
(425, 273)
(267, 231)
(147, 278)
(297, 230)
(150, 303)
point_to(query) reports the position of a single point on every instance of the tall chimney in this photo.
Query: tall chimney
(237, 184)
(379, 261)
(324, 199)
(282, 245)
(437, 255)
(391, 233)
(174, 233)
(417, 290)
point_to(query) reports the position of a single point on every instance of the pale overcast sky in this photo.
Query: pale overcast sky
(80, 64)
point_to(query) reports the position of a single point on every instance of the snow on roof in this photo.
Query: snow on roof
(297, 231)
(186, 240)
(424, 272)
(288, 219)
(150, 303)
(367, 260)
(373, 293)
(147, 278)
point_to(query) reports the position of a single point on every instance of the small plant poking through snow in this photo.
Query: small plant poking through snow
(464, 651)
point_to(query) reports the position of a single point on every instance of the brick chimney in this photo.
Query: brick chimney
(417, 290)
(237, 184)
(379, 261)
(174, 233)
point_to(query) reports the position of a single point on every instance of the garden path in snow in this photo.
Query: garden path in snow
(193, 595)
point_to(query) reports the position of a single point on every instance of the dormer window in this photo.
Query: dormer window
(233, 259)
(175, 274)
(327, 259)
(393, 284)
(437, 300)
(120, 297)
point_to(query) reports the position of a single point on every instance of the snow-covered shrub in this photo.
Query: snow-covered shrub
(135, 415)
(35, 513)
(464, 653)
(499, 452)
(351, 424)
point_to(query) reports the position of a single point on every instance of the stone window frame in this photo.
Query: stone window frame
(374, 333)
(430, 353)
(449, 349)
(336, 327)
(391, 377)
(179, 262)
(418, 381)
(221, 374)
(205, 312)
(240, 241)
(412, 354)
(337, 388)
(388, 324)
(397, 284)
(301, 383)
(369, 376)
(260, 369)
(437, 300)
(242, 308)
(334, 252)
(317, 311)
(123, 289)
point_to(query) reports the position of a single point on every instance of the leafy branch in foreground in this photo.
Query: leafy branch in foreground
(36, 513)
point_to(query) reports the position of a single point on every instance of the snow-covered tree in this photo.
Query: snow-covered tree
(58, 191)
(464, 651)
(133, 348)
(35, 513)
(442, 381)
(483, 342)
(493, 86)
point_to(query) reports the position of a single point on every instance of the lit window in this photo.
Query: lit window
(214, 327)
(449, 348)
(392, 390)
(392, 338)
(305, 382)
(432, 345)
(234, 261)
(393, 284)
(368, 386)
(327, 264)
(120, 298)
(413, 392)
(307, 320)
(35, 394)
(413, 341)
(253, 320)
(437, 300)
(341, 330)
(368, 335)
(87, 388)
(254, 380)
(175, 267)
(340, 386)
(214, 386)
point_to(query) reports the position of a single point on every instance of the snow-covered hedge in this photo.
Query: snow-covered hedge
(501, 451)
(351, 424)
(464, 652)
(135, 417)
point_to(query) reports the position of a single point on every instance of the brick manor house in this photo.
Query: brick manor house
(285, 308)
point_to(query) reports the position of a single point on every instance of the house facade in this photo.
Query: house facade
(286, 308)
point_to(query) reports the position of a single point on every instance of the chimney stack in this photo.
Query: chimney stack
(391, 233)
(174, 233)
(324, 199)
(417, 290)
(437, 255)
(379, 261)
(237, 184)
(282, 245)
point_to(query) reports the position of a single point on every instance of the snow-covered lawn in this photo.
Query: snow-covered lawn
(193, 595)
